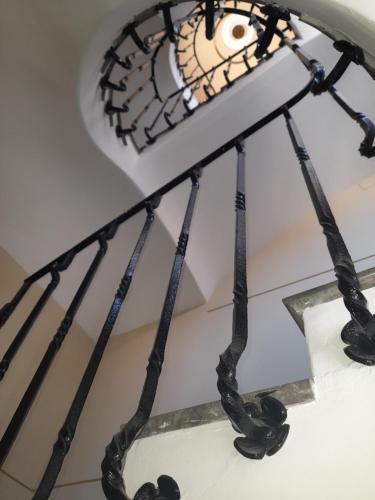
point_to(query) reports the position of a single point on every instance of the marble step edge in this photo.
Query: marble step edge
(296, 304)
(290, 394)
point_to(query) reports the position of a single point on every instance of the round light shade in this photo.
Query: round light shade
(236, 32)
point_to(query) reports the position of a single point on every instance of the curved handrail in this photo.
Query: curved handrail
(153, 47)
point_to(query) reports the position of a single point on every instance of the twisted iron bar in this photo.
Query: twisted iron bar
(359, 333)
(367, 147)
(9, 307)
(275, 13)
(115, 454)
(37, 380)
(67, 431)
(262, 423)
(28, 324)
(61, 262)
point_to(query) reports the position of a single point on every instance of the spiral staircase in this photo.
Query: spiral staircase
(181, 99)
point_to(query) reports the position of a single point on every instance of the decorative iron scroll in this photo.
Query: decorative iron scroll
(115, 455)
(274, 13)
(367, 147)
(67, 431)
(359, 334)
(350, 53)
(262, 424)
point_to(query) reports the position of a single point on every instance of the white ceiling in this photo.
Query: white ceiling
(57, 186)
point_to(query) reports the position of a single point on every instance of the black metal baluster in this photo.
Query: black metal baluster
(29, 322)
(210, 80)
(166, 10)
(192, 74)
(209, 96)
(112, 465)
(226, 73)
(227, 79)
(252, 7)
(367, 147)
(274, 13)
(141, 44)
(28, 398)
(176, 103)
(112, 110)
(148, 129)
(138, 69)
(137, 91)
(142, 112)
(67, 431)
(263, 423)
(185, 64)
(122, 132)
(359, 334)
(105, 84)
(111, 55)
(255, 23)
(350, 53)
(210, 19)
(245, 58)
(9, 307)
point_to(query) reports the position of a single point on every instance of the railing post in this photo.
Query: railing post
(263, 423)
(29, 322)
(275, 13)
(350, 53)
(112, 465)
(210, 19)
(67, 431)
(359, 334)
(166, 10)
(366, 147)
(9, 307)
(28, 398)
(131, 29)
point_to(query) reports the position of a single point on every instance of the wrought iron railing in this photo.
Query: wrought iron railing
(135, 98)
(262, 424)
